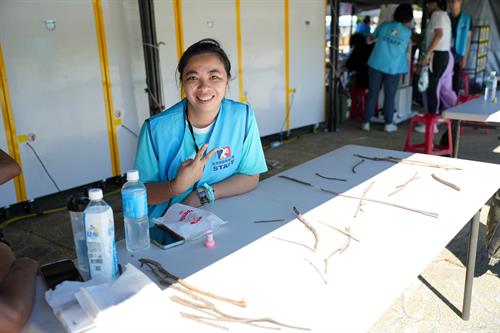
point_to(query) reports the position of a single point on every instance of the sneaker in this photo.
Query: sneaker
(420, 128)
(389, 128)
(365, 126)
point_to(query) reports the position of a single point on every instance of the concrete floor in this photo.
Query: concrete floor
(432, 303)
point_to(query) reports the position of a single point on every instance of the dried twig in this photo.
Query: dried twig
(356, 165)
(359, 209)
(207, 307)
(442, 181)
(339, 250)
(340, 230)
(266, 221)
(170, 279)
(202, 320)
(295, 180)
(423, 212)
(402, 186)
(317, 270)
(331, 178)
(308, 226)
(404, 161)
(294, 242)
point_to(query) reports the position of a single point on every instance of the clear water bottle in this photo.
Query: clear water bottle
(76, 205)
(490, 90)
(135, 213)
(100, 237)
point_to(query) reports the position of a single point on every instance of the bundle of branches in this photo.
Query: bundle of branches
(212, 315)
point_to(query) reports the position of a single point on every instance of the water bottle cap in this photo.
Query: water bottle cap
(132, 175)
(95, 194)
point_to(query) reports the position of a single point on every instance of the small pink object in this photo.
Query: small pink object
(209, 242)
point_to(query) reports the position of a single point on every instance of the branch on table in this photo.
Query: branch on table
(360, 204)
(330, 178)
(356, 165)
(423, 212)
(340, 250)
(402, 186)
(346, 233)
(168, 279)
(444, 182)
(317, 270)
(405, 161)
(308, 226)
(295, 180)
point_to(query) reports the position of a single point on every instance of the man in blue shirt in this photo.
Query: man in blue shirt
(461, 29)
(364, 27)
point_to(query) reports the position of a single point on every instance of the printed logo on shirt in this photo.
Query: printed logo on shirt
(394, 32)
(224, 152)
(225, 159)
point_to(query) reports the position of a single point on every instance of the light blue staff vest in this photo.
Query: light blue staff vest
(463, 27)
(228, 134)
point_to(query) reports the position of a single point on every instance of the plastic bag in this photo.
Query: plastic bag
(423, 81)
(189, 222)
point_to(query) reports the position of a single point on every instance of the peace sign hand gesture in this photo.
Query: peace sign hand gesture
(192, 170)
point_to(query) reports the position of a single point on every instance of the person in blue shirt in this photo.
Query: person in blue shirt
(387, 61)
(461, 29)
(205, 147)
(364, 27)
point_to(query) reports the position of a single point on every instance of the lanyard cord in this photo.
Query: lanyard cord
(196, 148)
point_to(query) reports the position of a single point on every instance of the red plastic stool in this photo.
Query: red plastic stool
(358, 97)
(466, 80)
(428, 146)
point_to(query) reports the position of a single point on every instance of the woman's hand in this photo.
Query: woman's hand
(427, 59)
(191, 170)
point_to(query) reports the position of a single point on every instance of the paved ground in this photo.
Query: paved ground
(432, 303)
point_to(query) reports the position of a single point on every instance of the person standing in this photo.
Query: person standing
(364, 27)
(461, 30)
(387, 61)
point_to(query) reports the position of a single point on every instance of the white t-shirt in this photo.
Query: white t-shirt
(439, 20)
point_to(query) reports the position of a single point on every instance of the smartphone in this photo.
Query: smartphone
(59, 271)
(164, 237)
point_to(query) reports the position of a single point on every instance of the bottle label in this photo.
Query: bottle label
(100, 239)
(135, 204)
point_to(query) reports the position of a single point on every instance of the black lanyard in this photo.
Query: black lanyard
(196, 148)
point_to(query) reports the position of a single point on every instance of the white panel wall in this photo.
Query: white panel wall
(165, 32)
(307, 56)
(56, 92)
(262, 30)
(128, 76)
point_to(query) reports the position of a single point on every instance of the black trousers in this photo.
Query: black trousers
(439, 63)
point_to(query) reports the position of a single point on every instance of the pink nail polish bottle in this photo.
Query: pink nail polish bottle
(209, 242)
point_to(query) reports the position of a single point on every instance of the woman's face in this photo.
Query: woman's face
(432, 7)
(205, 81)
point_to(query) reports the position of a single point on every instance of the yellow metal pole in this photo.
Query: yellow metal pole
(10, 130)
(179, 32)
(106, 85)
(287, 66)
(243, 97)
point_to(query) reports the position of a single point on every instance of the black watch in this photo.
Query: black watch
(202, 194)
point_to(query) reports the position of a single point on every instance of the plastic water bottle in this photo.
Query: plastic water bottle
(76, 205)
(491, 87)
(135, 213)
(100, 236)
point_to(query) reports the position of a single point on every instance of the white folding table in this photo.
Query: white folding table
(475, 110)
(272, 266)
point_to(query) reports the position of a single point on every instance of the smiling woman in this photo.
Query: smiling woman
(205, 147)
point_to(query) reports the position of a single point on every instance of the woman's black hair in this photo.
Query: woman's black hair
(403, 13)
(442, 4)
(207, 45)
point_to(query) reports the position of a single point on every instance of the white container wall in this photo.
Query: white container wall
(128, 76)
(56, 93)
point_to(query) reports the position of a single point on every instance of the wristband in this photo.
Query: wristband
(210, 192)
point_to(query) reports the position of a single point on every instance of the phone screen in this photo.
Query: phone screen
(164, 237)
(59, 271)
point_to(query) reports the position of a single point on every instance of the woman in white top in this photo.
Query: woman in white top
(437, 55)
